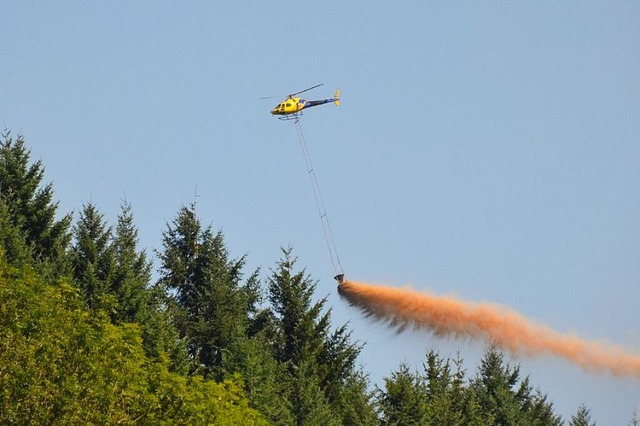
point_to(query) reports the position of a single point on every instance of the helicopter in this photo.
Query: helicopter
(291, 107)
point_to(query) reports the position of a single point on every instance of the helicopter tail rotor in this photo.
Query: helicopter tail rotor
(336, 98)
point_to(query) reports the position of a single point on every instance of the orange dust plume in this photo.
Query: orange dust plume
(506, 328)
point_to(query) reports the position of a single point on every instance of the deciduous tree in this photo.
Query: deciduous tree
(61, 363)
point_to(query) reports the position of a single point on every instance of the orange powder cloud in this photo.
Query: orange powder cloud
(506, 328)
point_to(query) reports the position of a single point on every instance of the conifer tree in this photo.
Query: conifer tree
(92, 259)
(303, 324)
(309, 404)
(315, 357)
(131, 277)
(403, 401)
(17, 251)
(264, 378)
(206, 286)
(503, 396)
(161, 337)
(28, 209)
(356, 403)
(582, 417)
(448, 400)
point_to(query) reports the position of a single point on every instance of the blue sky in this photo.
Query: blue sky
(487, 150)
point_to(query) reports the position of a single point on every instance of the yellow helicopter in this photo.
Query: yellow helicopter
(291, 107)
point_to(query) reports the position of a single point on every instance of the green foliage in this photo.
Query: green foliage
(582, 417)
(504, 397)
(17, 250)
(295, 369)
(304, 327)
(92, 259)
(448, 402)
(264, 379)
(27, 212)
(160, 335)
(309, 405)
(114, 277)
(59, 363)
(443, 395)
(131, 275)
(356, 403)
(319, 363)
(404, 398)
(206, 286)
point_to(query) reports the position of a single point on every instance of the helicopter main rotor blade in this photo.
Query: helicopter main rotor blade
(305, 90)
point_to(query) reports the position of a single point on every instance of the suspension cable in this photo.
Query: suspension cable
(326, 227)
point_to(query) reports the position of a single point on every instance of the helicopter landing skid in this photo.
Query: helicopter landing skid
(295, 116)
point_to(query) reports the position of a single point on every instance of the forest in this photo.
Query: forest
(90, 335)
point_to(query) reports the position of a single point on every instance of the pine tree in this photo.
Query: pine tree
(506, 398)
(309, 404)
(582, 417)
(337, 361)
(161, 338)
(131, 276)
(17, 251)
(27, 207)
(356, 402)
(92, 259)
(447, 397)
(439, 397)
(541, 411)
(303, 325)
(315, 357)
(263, 378)
(207, 288)
(403, 401)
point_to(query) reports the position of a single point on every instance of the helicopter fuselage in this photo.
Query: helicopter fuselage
(295, 105)
(289, 106)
